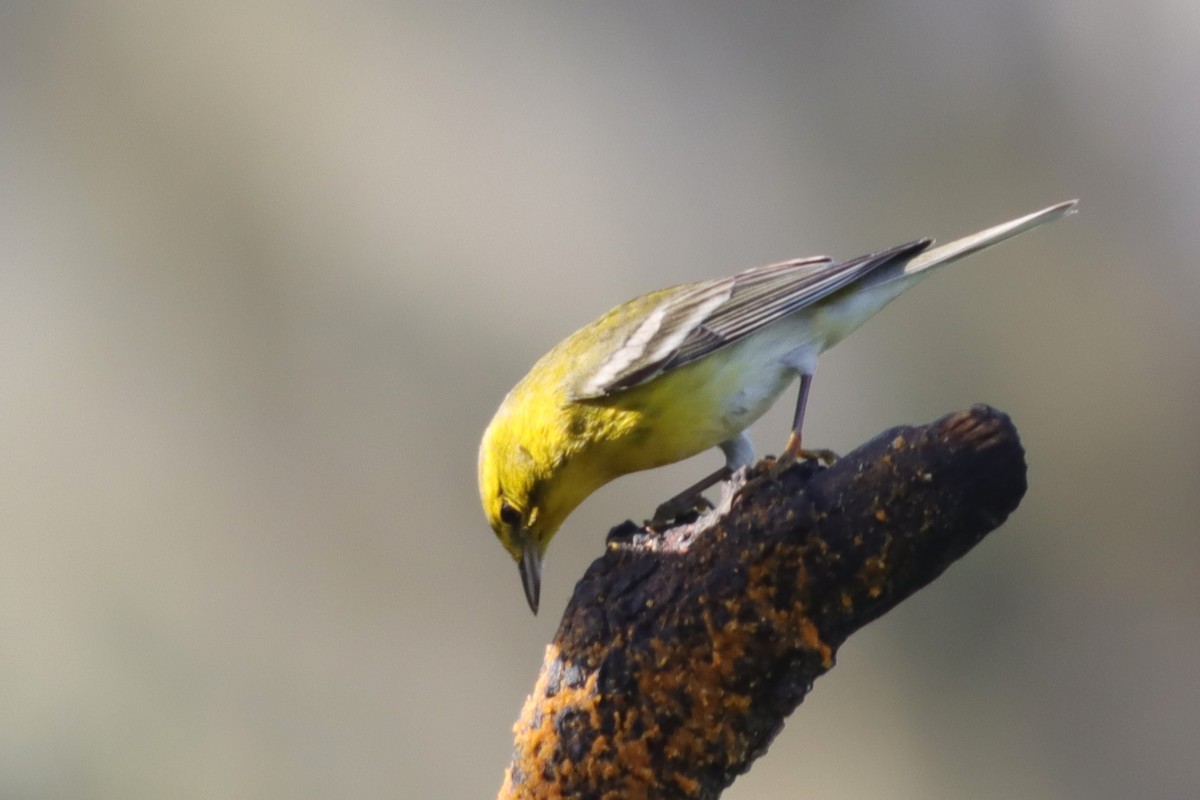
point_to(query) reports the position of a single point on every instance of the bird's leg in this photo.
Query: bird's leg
(738, 453)
(792, 451)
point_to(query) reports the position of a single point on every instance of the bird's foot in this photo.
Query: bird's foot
(792, 451)
(826, 457)
(688, 500)
(677, 506)
(790, 456)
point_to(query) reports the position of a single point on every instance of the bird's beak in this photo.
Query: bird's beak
(530, 566)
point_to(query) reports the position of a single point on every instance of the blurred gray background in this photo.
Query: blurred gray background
(265, 272)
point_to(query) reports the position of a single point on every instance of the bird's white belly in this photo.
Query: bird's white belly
(765, 364)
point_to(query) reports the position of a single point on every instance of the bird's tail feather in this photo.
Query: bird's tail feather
(953, 251)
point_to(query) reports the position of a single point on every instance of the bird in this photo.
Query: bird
(678, 371)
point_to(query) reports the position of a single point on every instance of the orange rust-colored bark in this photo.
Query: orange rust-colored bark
(682, 652)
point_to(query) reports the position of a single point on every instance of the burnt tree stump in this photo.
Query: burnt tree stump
(681, 652)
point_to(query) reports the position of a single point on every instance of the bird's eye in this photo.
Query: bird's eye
(509, 515)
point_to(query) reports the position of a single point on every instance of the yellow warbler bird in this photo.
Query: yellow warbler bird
(675, 372)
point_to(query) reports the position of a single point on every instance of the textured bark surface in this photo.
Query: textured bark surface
(681, 652)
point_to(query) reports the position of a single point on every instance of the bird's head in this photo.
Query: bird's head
(529, 484)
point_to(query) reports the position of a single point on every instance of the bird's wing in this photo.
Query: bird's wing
(705, 317)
